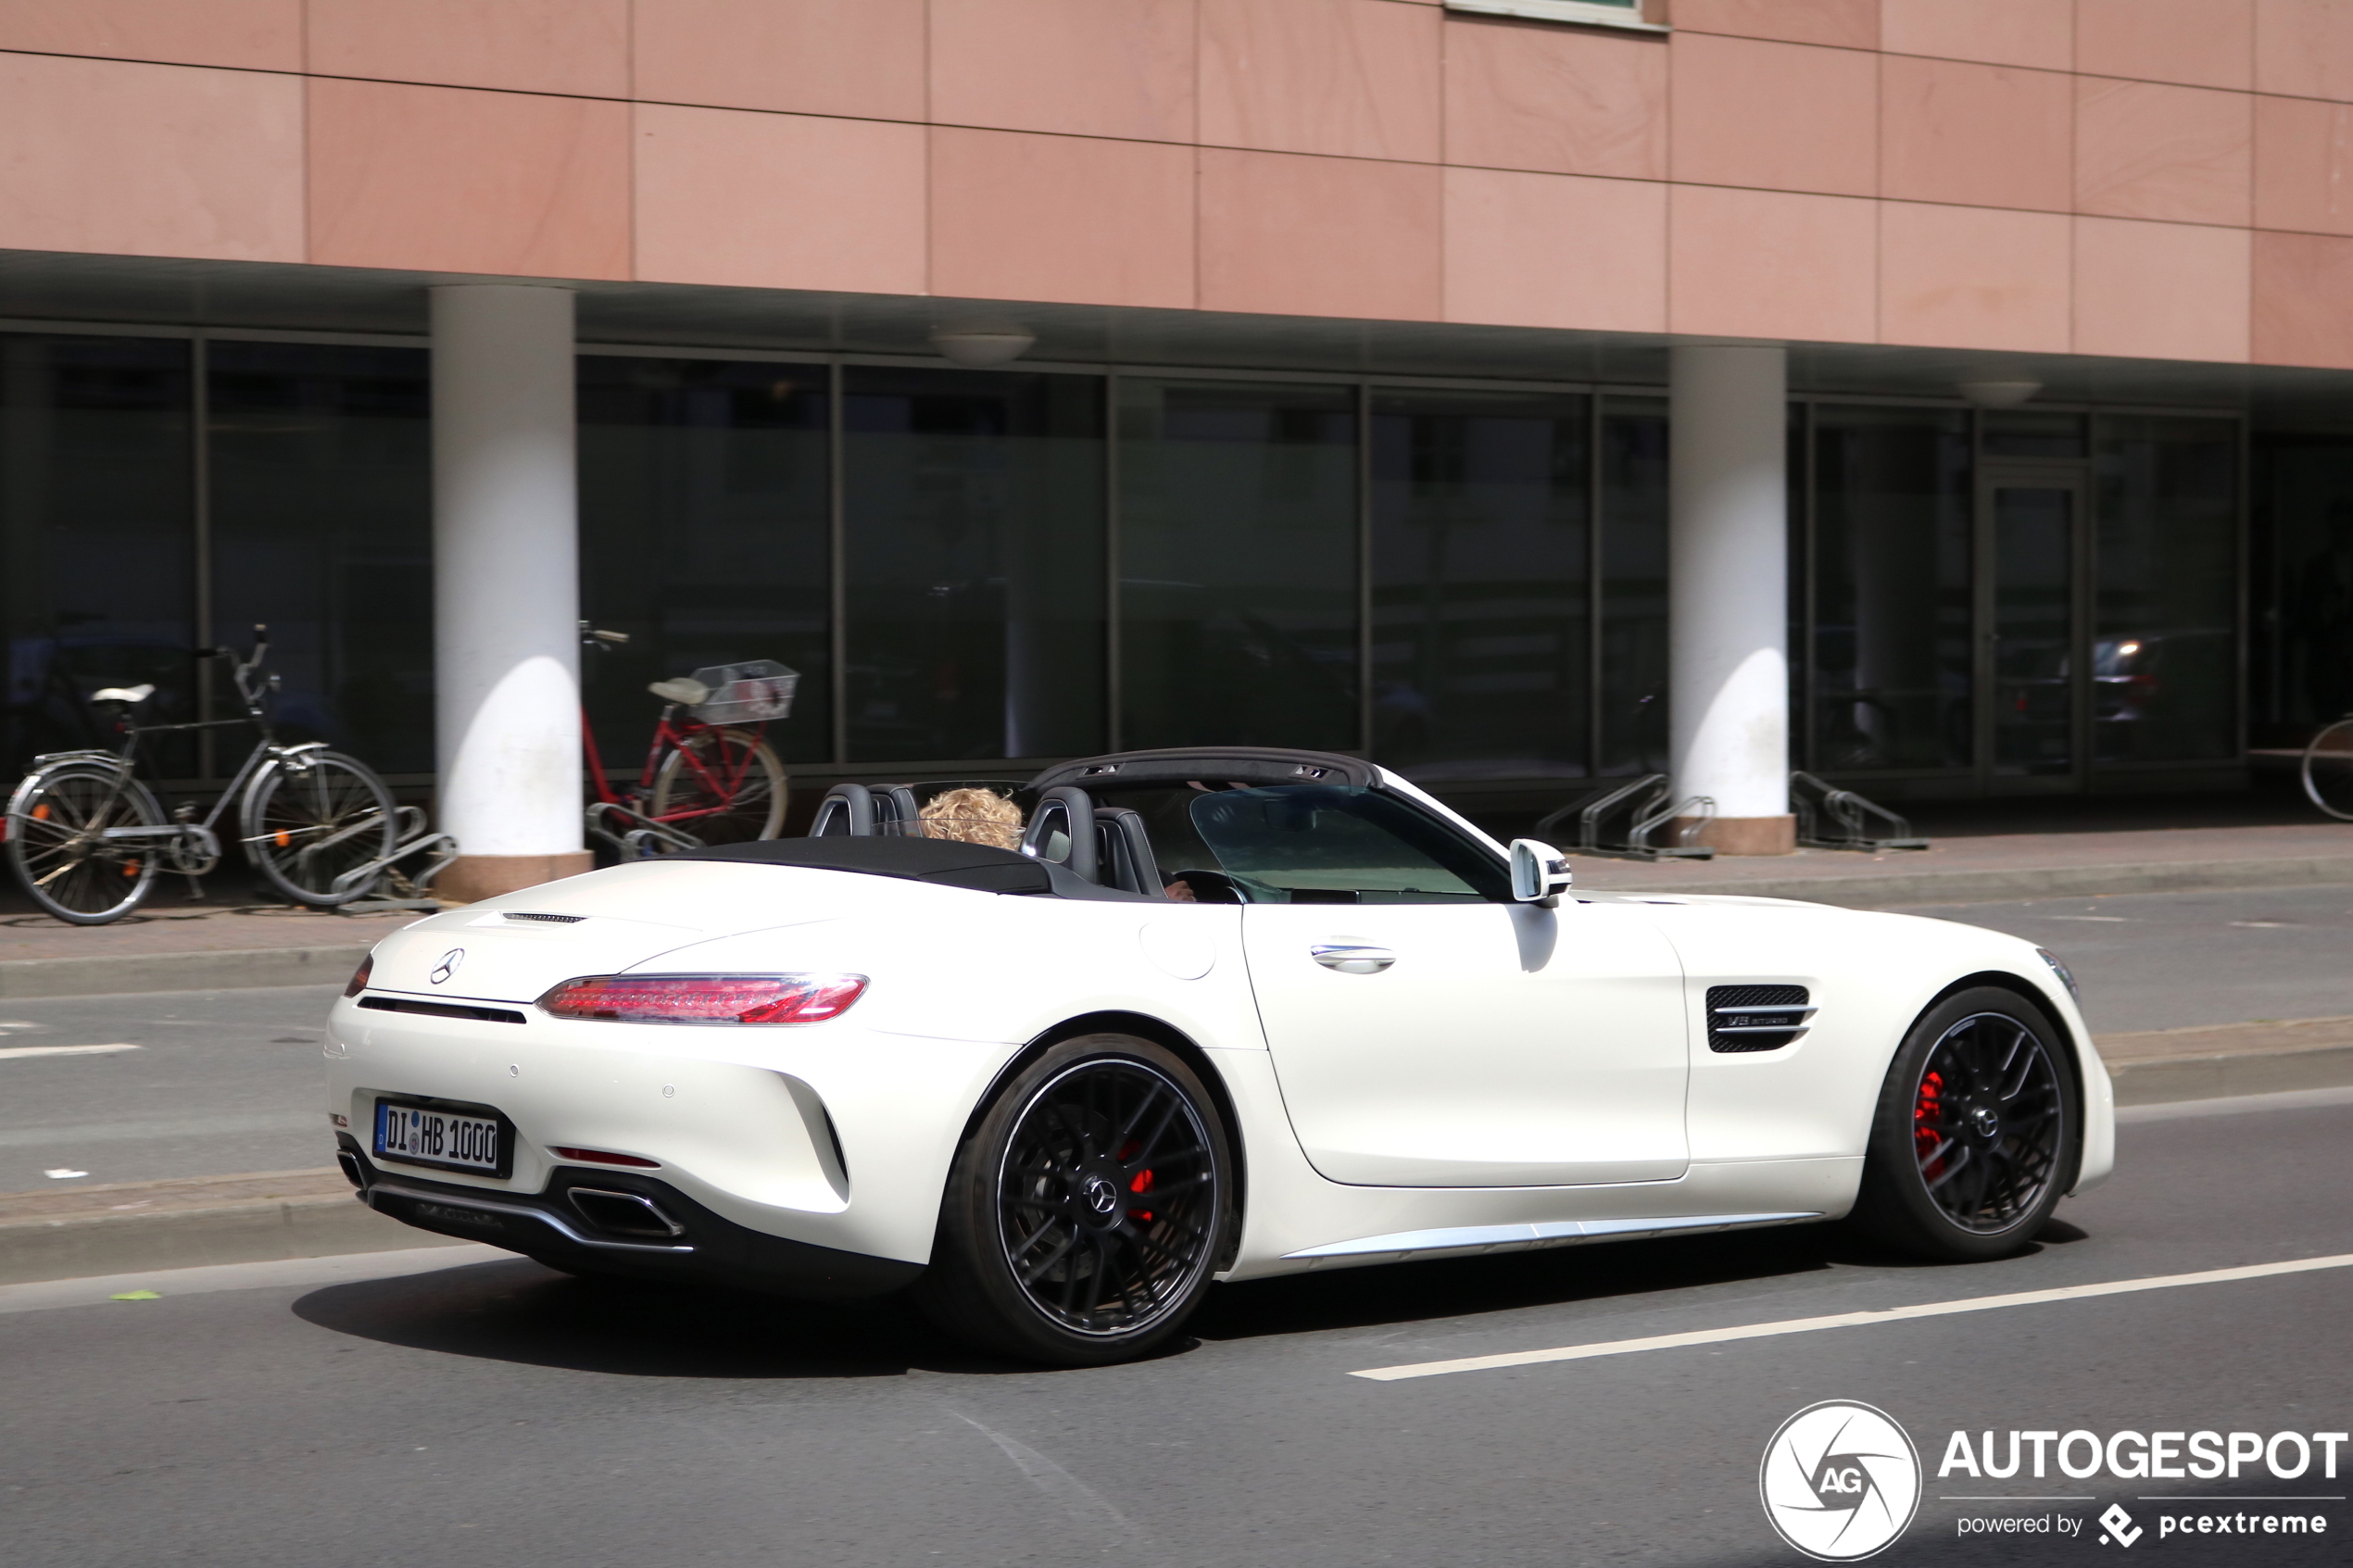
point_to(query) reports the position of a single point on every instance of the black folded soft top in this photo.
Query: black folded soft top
(981, 867)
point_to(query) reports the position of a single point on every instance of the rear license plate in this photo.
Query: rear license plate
(421, 1134)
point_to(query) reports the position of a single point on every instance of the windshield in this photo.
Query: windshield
(1327, 844)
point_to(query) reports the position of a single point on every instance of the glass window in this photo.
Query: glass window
(974, 543)
(2165, 615)
(704, 536)
(1238, 564)
(1892, 669)
(1633, 586)
(322, 528)
(1480, 646)
(2304, 516)
(96, 544)
(1323, 844)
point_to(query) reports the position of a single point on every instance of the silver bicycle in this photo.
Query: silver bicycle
(2328, 770)
(87, 839)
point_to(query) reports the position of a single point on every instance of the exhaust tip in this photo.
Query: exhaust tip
(351, 1170)
(625, 1213)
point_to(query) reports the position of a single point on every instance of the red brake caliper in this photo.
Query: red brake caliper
(1928, 1109)
(1143, 1182)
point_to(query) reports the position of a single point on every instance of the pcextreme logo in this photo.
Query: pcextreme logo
(1840, 1481)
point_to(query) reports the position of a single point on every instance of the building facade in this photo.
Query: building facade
(1945, 396)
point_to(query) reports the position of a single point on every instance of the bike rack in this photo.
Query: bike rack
(1645, 805)
(1831, 818)
(638, 838)
(408, 890)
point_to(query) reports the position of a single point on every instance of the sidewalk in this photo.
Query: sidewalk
(173, 945)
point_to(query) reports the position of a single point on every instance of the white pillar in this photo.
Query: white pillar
(506, 586)
(1728, 597)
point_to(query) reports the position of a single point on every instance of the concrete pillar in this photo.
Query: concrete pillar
(506, 586)
(1727, 597)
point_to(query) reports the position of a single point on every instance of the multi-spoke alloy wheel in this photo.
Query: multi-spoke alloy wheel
(1976, 1132)
(1985, 1122)
(1086, 1213)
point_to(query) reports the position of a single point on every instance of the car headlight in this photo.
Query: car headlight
(2061, 969)
(705, 998)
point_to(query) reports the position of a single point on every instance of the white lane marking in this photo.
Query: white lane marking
(1085, 1504)
(1852, 1320)
(6, 1052)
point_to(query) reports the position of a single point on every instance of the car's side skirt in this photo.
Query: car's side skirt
(1542, 1233)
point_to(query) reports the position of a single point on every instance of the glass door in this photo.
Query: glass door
(2033, 667)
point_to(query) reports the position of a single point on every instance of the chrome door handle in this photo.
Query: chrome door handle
(1352, 958)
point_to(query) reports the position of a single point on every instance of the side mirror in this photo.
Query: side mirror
(1539, 873)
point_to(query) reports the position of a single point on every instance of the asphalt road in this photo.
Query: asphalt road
(221, 1082)
(499, 1414)
(229, 1081)
(2175, 961)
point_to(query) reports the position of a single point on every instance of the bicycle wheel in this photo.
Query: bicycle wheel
(2328, 770)
(56, 819)
(309, 819)
(723, 786)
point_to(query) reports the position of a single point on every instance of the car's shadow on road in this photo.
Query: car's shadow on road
(521, 1312)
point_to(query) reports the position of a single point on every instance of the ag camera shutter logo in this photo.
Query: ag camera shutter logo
(1840, 1481)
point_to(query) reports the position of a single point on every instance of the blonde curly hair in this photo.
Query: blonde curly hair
(972, 815)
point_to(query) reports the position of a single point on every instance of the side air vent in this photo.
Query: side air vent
(1755, 1018)
(546, 919)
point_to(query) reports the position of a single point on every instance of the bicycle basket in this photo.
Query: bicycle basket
(749, 693)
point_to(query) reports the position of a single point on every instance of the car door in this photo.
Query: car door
(1486, 1045)
(1428, 1032)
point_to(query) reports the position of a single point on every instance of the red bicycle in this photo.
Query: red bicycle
(709, 775)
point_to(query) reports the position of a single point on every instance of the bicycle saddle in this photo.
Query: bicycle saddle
(122, 694)
(683, 689)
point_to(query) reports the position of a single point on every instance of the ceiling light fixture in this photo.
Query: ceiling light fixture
(979, 344)
(1999, 394)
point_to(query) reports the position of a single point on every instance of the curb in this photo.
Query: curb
(2000, 885)
(266, 1231)
(234, 970)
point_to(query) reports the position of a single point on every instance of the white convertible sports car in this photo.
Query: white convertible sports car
(1055, 1058)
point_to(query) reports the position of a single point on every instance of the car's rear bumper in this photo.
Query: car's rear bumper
(622, 1222)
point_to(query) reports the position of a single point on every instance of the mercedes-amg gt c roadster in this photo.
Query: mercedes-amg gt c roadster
(1056, 1057)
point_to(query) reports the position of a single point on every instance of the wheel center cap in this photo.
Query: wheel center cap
(1984, 1122)
(1101, 1196)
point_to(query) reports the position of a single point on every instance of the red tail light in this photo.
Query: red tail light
(706, 999)
(360, 976)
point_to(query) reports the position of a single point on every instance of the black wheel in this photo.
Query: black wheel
(722, 786)
(1086, 1212)
(308, 819)
(57, 822)
(2328, 770)
(1976, 1131)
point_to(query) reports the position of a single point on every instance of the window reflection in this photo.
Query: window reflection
(1891, 676)
(1633, 525)
(321, 528)
(703, 534)
(1479, 605)
(975, 537)
(96, 550)
(2165, 617)
(1238, 564)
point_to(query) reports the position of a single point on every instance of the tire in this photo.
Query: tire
(53, 819)
(1047, 1251)
(1976, 1131)
(306, 823)
(757, 808)
(2328, 770)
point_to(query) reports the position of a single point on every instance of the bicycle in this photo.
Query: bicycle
(87, 839)
(2328, 770)
(707, 778)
